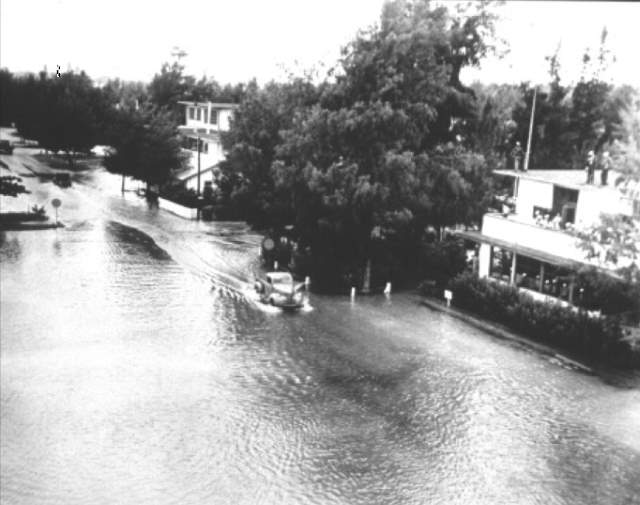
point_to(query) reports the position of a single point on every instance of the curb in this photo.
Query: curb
(501, 332)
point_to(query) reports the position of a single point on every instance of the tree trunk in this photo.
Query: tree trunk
(366, 284)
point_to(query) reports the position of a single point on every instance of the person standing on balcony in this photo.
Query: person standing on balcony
(517, 154)
(605, 164)
(590, 168)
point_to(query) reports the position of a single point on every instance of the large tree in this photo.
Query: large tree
(62, 113)
(375, 162)
(146, 146)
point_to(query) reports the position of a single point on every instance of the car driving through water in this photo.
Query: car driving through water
(280, 290)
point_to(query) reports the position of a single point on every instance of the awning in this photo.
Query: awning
(536, 254)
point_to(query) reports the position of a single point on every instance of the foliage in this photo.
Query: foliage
(611, 295)
(125, 94)
(442, 261)
(10, 185)
(146, 146)
(492, 128)
(61, 113)
(571, 120)
(172, 85)
(626, 148)
(246, 183)
(362, 165)
(576, 331)
(179, 194)
(167, 88)
(614, 240)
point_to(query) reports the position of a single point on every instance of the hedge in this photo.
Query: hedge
(599, 338)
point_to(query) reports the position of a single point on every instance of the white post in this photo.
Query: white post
(353, 293)
(387, 289)
(275, 265)
(307, 282)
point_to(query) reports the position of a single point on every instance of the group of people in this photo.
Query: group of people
(547, 221)
(604, 163)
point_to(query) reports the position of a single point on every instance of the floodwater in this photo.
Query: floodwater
(136, 368)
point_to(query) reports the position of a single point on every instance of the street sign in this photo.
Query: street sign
(268, 244)
(56, 203)
(448, 295)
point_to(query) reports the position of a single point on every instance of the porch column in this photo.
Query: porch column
(572, 287)
(541, 284)
(512, 280)
(484, 260)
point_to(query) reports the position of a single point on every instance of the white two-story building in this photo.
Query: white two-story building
(204, 122)
(533, 247)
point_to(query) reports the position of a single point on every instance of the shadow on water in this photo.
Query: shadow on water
(10, 249)
(135, 241)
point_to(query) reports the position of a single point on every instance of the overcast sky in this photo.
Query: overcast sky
(235, 40)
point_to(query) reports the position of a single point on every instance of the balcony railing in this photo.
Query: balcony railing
(514, 229)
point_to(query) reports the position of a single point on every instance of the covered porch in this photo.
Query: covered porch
(545, 276)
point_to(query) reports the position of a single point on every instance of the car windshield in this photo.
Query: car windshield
(281, 278)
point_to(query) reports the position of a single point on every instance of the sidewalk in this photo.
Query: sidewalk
(500, 331)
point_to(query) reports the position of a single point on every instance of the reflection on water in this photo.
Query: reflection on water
(137, 369)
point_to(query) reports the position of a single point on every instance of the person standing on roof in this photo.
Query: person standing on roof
(605, 165)
(517, 155)
(590, 168)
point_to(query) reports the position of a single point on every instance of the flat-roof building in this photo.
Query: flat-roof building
(533, 244)
(204, 122)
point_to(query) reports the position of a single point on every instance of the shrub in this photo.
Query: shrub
(180, 195)
(573, 330)
(609, 294)
(441, 261)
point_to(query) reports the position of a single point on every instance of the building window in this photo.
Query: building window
(557, 282)
(199, 114)
(528, 273)
(205, 147)
(191, 113)
(214, 117)
(500, 267)
(206, 116)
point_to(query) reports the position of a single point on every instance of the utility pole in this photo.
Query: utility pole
(198, 189)
(198, 182)
(533, 112)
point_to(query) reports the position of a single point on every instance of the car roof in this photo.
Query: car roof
(280, 276)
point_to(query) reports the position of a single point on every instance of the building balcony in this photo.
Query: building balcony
(514, 229)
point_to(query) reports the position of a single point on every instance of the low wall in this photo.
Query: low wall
(177, 209)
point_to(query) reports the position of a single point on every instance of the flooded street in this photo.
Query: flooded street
(137, 368)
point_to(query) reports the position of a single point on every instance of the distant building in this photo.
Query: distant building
(204, 121)
(532, 246)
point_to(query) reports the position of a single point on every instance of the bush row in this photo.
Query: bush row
(572, 330)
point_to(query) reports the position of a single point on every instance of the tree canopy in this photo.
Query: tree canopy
(145, 146)
(363, 163)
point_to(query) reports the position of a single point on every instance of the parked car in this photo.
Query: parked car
(279, 289)
(62, 179)
(6, 147)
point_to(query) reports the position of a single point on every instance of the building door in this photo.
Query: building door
(564, 203)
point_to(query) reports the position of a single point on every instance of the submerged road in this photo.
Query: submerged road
(136, 367)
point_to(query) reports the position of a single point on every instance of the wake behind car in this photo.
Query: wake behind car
(280, 290)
